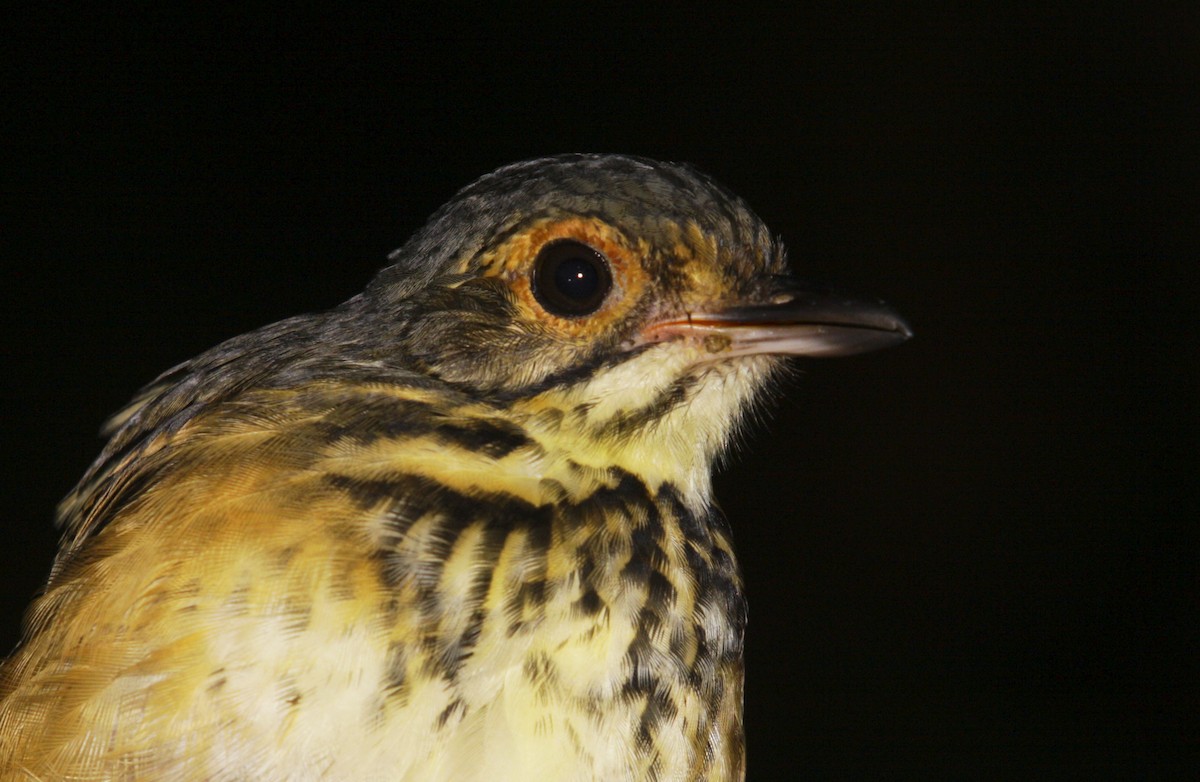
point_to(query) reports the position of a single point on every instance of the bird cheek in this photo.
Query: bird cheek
(486, 357)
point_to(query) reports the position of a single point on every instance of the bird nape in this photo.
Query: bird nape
(458, 528)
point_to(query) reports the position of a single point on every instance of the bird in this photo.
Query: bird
(459, 527)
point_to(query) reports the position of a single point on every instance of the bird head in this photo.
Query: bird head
(641, 302)
(629, 308)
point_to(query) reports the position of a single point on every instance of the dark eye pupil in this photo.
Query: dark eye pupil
(571, 278)
(577, 279)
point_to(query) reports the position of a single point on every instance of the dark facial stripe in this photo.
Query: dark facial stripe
(373, 417)
(629, 422)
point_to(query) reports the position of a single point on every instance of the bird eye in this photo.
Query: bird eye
(570, 278)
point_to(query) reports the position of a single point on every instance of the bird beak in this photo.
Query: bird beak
(796, 321)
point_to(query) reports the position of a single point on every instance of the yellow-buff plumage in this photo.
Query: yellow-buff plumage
(458, 528)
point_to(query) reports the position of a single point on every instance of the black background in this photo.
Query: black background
(972, 556)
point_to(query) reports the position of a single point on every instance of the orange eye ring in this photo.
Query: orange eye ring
(524, 261)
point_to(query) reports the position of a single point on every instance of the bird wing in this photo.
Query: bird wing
(279, 585)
